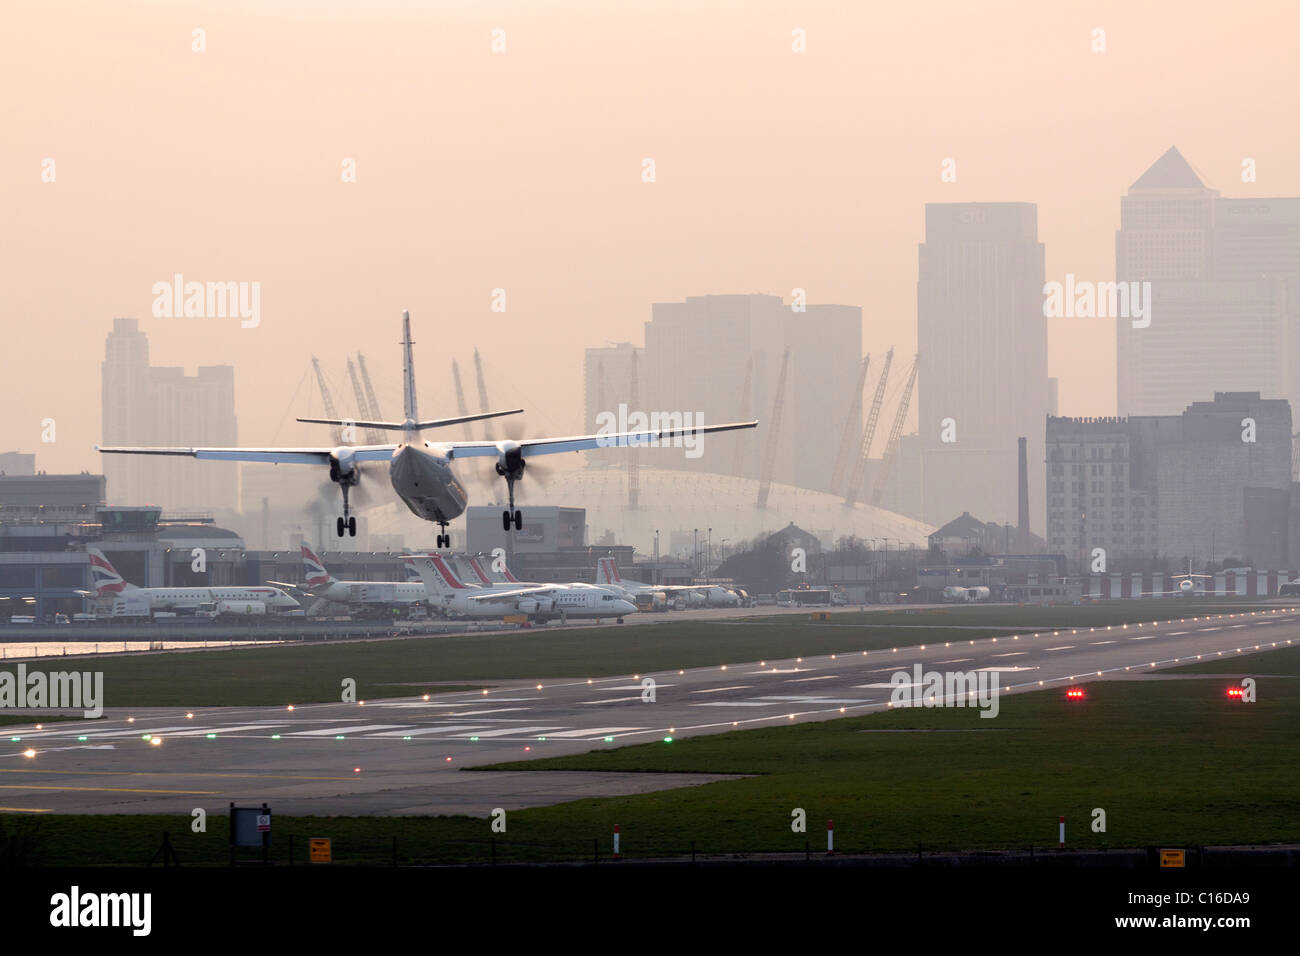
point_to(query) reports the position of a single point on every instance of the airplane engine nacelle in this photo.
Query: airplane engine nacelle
(526, 605)
(1186, 585)
(343, 465)
(510, 461)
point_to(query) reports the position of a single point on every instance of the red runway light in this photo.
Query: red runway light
(1235, 692)
(1074, 693)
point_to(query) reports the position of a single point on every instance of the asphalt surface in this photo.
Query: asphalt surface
(405, 756)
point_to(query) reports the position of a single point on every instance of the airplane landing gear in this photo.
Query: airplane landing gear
(511, 515)
(444, 539)
(348, 522)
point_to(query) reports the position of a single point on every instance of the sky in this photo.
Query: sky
(522, 170)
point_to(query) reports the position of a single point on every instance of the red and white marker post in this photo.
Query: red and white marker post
(616, 840)
(830, 837)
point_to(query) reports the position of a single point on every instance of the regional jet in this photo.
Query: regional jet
(421, 472)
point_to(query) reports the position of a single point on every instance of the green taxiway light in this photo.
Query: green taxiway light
(15, 739)
(147, 737)
(212, 736)
(82, 738)
(275, 736)
(406, 738)
(473, 740)
(541, 738)
(338, 737)
(668, 740)
(609, 740)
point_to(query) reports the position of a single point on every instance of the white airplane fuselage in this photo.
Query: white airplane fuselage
(164, 598)
(421, 475)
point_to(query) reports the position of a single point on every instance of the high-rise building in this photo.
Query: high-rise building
(1211, 483)
(720, 357)
(150, 405)
(1223, 274)
(982, 342)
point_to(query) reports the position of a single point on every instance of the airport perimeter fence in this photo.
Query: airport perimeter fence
(24, 845)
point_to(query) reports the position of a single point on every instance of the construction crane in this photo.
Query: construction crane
(482, 394)
(859, 477)
(461, 409)
(363, 407)
(327, 399)
(737, 468)
(370, 390)
(769, 453)
(846, 439)
(895, 434)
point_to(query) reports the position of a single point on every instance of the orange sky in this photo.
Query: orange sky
(521, 170)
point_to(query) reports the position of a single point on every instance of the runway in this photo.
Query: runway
(405, 755)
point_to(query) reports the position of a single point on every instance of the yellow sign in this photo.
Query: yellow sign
(319, 850)
(1173, 858)
(821, 615)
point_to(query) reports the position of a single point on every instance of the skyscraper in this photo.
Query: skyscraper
(149, 405)
(701, 354)
(1219, 270)
(982, 340)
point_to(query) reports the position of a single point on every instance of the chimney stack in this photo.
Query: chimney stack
(1022, 528)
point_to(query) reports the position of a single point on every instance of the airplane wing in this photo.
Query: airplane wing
(401, 426)
(496, 596)
(554, 446)
(278, 456)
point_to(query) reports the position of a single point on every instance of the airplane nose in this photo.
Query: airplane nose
(627, 607)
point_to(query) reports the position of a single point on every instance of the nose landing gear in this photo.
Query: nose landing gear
(444, 539)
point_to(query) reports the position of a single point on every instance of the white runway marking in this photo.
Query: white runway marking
(1145, 637)
(1099, 643)
(200, 731)
(494, 710)
(800, 680)
(335, 731)
(424, 731)
(1012, 654)
(718, 690)
(811, 700)
(611, 700)
(956, 660)
(1063, 647)
(595, 732)
(141, 732)
(737, 703)
(1178, 633)
(511, 731)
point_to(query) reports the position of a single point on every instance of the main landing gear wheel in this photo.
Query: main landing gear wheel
(347, 523)
(444, 539)
(519, 521)
(505, 521)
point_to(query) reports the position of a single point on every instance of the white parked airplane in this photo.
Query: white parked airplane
(230, 600)
(421, 471)
(696, 595)
(972, 595)
(319, 583)
(537, 601)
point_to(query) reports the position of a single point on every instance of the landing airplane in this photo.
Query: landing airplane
(421, 471)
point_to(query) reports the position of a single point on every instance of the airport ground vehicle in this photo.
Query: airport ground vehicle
(803, 597)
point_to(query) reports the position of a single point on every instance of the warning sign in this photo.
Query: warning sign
(319, 850)
(263, 823)
(1173, 858)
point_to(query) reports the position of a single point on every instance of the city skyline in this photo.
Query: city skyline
(801, 176)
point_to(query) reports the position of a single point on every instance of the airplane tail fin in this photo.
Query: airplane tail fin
(479, 573)
(607, 571)
(437, 575)
(408, 372)
(104, 577)
(315, 572)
